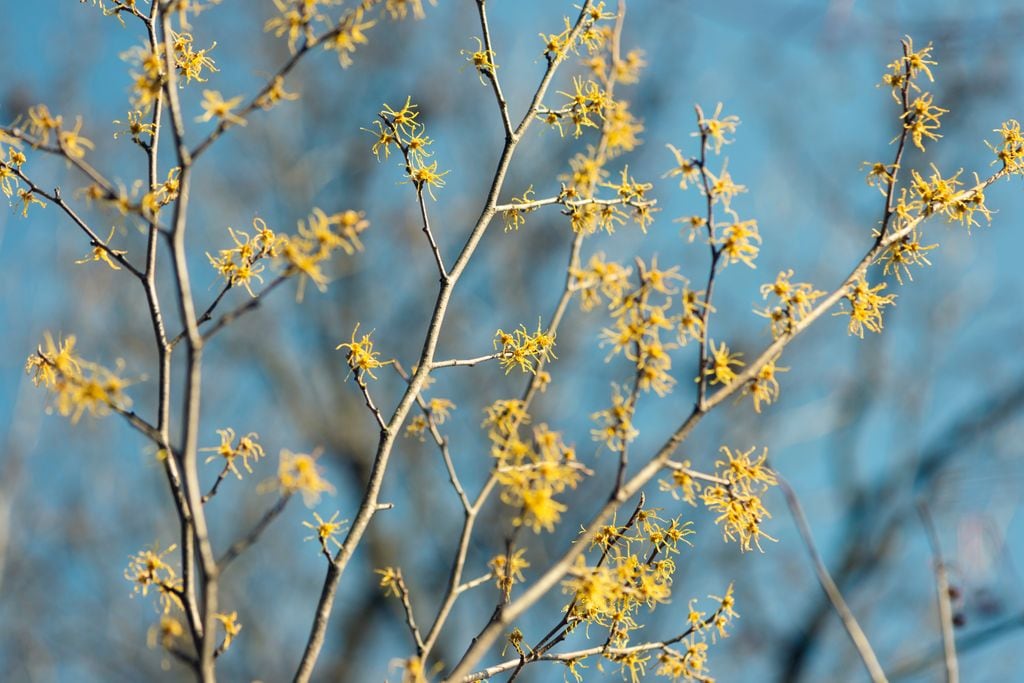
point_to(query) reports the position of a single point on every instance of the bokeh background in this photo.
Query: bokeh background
(931, 410)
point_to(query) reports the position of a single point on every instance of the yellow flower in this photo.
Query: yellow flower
(738, 239)
(326, 530)
(102, 252)
(361, 356)
(687, 168)
(28, 198)
(481, 59)
(73, 143)
(866, 306)
(246, 448)
(508, 570)
(298, 473)
(348, 36)
(147, 569)
(764, 386)
(390, 581)
(231, 628)
(276, 93)
(215, 106)
(521, 349)
(716, 127)
(720, 364)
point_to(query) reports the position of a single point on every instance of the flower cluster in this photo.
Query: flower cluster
(147, 569)
(714, 132)
(361, 357)
(793, 301)
(587, 102)
(737, 500)
(920, 116)
(188, 61)
(522, 349)
(78, 386)
(507, 569)
(690, 662)
(302, 254)
(634, 571)
(318, 238)
(326, 531)
(720, 365)
(637, 572)
(436, 412)
(763, 387)
(943, 195)
(640, 322)
(401, 129)
(242, 263)
(298, 20)
(615, 424)
(1010, 150)
(905, 252)
(230, 450)
(600, 277)
(738, 240)
(530, 470)
(307, 24)
(866, 306)
(299, 473)
(633, 193)
(148, 81)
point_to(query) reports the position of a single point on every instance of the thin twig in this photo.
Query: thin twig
(856, 633)
(193, 366)
(410, 619)
(603, 650)
(216, 485)
(464, 362)
(942, 595)
(491, 74)
(441, 441)
(250, 305)
(94, 239)
(421, 200)
(369, 401)
(716, 252)
(244, 543)
(574, 203)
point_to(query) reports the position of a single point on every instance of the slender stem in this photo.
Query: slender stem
(369, 401)
(573, 203)
(193, 367)
(441, 441)
(942, 595)
(491, 74)
(216, 485)
(244, 543)
(464, 362)
(716, 252)
(410, 619)
(860, 640)
(94, 239)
